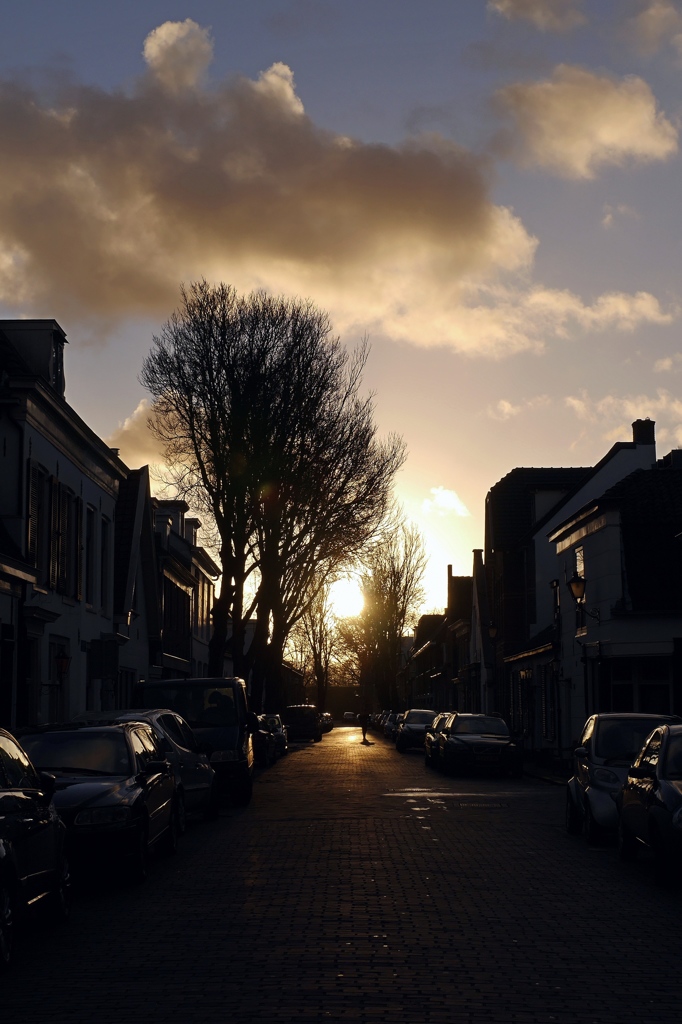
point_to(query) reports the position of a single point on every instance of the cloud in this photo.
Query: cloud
(621, 210)
(178, 53)
(579, 122)
(545, 15)
(657, 23)
(669, 364)
(613, 415)
(444, 502)
(110, 199)
(506, 410)
(135, 441)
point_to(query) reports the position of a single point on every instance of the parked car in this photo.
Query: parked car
(114, 791)
(279, 731)
(327, 722)
(302, 722)
(264, 743)
(391, 725)
(478, 743)
(34, 870)
(217, 711)
(349, 718)
(609, 743)
(431, 736)
(196, 788)
(651, 803)
(410, 731)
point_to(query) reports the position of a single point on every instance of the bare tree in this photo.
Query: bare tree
(317, 638)
(259, 410)
(391, 578)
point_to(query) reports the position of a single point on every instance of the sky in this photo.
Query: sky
(489, 190)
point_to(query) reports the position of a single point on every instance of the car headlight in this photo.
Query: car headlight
(605, 777)
(103, 816)
(223, 755)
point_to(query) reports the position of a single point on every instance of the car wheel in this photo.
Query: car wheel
(400, 747)
(591, 830)
(181, 813)
(60, 898)
(318, 737)
(627, 844)
(138, 865)
(572, 819)
(241, 791)
(6, 925)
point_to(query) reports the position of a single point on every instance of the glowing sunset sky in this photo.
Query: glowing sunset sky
(489, 190)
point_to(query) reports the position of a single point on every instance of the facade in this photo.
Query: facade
(57, 513)
(101, 586)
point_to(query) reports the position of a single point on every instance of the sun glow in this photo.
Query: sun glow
(346, 599)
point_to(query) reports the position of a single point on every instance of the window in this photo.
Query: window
(105, 541)
(38, 520)
(90, 548)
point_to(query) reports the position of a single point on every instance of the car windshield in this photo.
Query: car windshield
(480, 726)
(101, 753)
(621, 739)
(673, 758)
(199, 704)
(419, 717)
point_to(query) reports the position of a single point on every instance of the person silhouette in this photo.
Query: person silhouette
(363, 719)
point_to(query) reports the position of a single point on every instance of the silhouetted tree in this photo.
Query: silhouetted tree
(391, 573)
(258, 408)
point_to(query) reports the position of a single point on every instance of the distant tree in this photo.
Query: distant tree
(317, 639)
(258, 409)
(391, 573)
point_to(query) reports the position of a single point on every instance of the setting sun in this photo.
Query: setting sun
(346, 599)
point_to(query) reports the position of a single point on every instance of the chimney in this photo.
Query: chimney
(643, 431)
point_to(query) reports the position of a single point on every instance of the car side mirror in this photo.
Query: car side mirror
(580, 752)
(641, 771)
(157, 768)
(252, 723)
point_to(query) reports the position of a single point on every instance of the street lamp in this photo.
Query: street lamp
(576, 585)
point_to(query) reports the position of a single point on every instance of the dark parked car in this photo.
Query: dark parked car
(217, 711)
(651, 803)
(326, 721)
(302, 722)
(279, 731)
(608, 745)
(264, 743)
(33, 864)
(114, 791)
(196, 788)
(410, 731)
(431, 737)
(478, 743)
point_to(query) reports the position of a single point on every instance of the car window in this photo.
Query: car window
(620, 739)
(88, 750)
(480, 726)
(673, 758)
(652, 752)
(144, 748)
(171, 727)
(16, 771)
(189, 740)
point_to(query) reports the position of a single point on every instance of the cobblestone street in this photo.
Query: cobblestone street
(360, 886)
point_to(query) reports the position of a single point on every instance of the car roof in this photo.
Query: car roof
(78, 727)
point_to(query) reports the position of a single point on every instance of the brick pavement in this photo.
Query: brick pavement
(359, 886)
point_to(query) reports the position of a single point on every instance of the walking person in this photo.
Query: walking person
(363, 719)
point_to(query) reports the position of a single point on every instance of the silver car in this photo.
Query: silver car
(608, 745)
